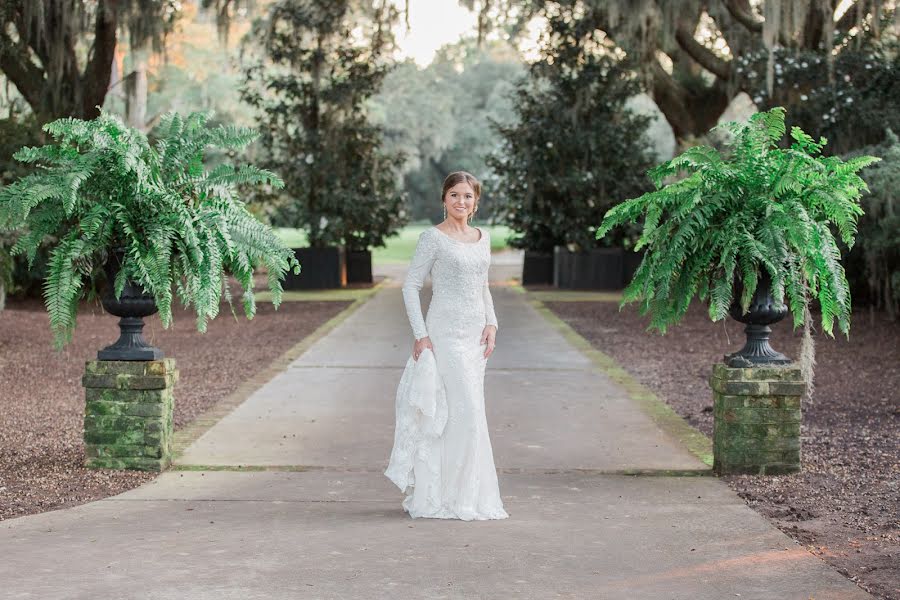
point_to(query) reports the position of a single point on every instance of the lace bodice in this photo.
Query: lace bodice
(459, 279)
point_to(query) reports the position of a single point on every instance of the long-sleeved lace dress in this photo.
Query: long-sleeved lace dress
(442, 457)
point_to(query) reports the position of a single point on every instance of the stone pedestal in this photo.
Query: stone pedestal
(757, 419)
(128, 414)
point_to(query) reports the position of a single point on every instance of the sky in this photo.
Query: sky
(433, 24)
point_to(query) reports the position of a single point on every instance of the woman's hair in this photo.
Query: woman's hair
(458, 177)
(461, 177)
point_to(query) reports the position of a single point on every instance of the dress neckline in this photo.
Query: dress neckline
(478, 241)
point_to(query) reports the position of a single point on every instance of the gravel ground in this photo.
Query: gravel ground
(42, 401)
(844, 505)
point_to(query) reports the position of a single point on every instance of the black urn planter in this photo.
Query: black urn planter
(762, 312)
(537, 268)
(320, 268)
(132, 306)
(594, 269)
(359, 266)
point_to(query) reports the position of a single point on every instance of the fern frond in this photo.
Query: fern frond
(230, 136)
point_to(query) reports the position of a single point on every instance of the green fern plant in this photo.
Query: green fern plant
(756, 209)
(103, 185)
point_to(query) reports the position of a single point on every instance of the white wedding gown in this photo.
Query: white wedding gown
(442, 459)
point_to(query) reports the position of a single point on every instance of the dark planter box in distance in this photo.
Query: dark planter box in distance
(321, 268)
(537, 269)
(595, 269)
(359, 266)
(630, 262)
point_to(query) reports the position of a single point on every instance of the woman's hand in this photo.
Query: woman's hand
(420, 345)
(488, 336)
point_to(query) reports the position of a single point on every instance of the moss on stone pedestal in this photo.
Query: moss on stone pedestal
(756, 419)
(128, 417)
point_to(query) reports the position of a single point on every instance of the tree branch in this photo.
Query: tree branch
(689, 113)
(743, 14)
(740, 40)
(483, 21)
(814, 27)
(25, 75)
(703, 55)
(670, 97)
(849, 19)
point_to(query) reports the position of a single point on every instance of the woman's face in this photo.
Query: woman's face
(460, 201)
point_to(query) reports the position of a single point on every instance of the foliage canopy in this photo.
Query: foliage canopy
(876, 256)
(575, 149)
(686, 50)
(310, 85)
(103, 185)
(440, 118)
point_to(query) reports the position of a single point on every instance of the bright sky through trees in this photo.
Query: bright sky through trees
(433, 23)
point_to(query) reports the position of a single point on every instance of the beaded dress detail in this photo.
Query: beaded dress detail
(442, 459)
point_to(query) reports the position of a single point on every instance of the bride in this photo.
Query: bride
(442, 459)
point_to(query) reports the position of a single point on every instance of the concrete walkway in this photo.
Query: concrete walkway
(285, 496)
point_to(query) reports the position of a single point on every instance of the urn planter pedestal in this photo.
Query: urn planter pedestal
(756, 427)
(128, 421)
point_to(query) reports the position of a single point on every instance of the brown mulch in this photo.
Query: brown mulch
(42, 401)
(844, 505)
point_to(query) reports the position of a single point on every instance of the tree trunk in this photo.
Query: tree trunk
(99, 70)
(689, 114)
(136, 86)
(53, 85)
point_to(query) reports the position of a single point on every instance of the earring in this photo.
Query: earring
(445, 212)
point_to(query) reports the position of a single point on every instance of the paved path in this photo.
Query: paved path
(318, 519)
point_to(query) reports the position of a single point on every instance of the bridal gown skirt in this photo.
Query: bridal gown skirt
(442, 457)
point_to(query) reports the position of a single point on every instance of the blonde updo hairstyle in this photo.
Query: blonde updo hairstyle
(456, 178)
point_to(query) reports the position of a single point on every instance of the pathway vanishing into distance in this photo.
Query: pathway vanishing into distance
(285, 496)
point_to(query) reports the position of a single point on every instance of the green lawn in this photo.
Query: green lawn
(399, 248)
